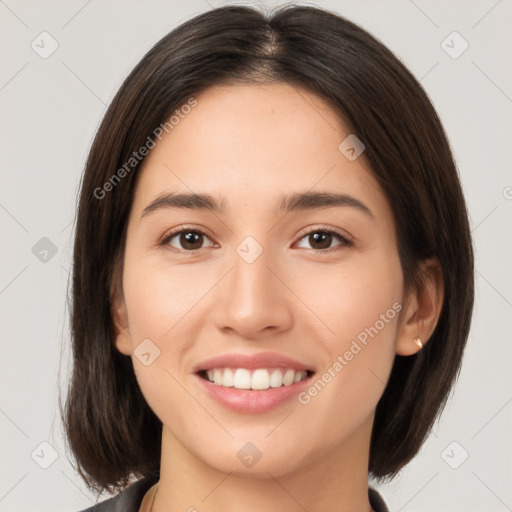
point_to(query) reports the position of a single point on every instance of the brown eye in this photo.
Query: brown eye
(186, 239)
(321, 240)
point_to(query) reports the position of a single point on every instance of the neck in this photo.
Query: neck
(337, 481)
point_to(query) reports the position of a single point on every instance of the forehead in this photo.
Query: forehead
(252, 144)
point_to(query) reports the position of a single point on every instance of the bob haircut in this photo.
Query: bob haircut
(110, 429)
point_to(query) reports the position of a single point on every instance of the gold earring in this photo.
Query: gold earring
(418, 342)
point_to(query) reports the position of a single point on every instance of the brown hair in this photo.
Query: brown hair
(111, 431)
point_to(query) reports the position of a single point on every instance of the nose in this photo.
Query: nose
(253, 299)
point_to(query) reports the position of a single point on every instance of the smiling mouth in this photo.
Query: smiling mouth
(258, 379)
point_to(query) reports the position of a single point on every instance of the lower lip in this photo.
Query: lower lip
(252, 401)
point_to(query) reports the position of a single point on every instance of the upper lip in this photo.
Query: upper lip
(253, 361)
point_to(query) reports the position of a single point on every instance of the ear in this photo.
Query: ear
(120, 318)
(422, 311)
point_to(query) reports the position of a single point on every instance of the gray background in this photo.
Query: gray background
(50, 109)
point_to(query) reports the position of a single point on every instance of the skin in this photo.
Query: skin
(250, 144)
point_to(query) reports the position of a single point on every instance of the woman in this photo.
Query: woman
(273, 271)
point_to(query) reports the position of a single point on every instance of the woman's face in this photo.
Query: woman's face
(259, 286)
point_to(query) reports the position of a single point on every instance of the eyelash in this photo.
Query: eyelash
(344, 241)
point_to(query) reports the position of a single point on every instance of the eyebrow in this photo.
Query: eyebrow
(288, 203)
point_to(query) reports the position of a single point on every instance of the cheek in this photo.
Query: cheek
(160, 302)
(352, 300)
(160, 297)
(360, 309)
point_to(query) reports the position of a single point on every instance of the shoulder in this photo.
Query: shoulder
(128, 500)
(376, 501)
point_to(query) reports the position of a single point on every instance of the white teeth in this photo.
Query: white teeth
(242, 379)
(217, 376)
(229, 378)
(259, 379)
(276, 379)
(288, 377)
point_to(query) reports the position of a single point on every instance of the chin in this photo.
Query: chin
(253, 459)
